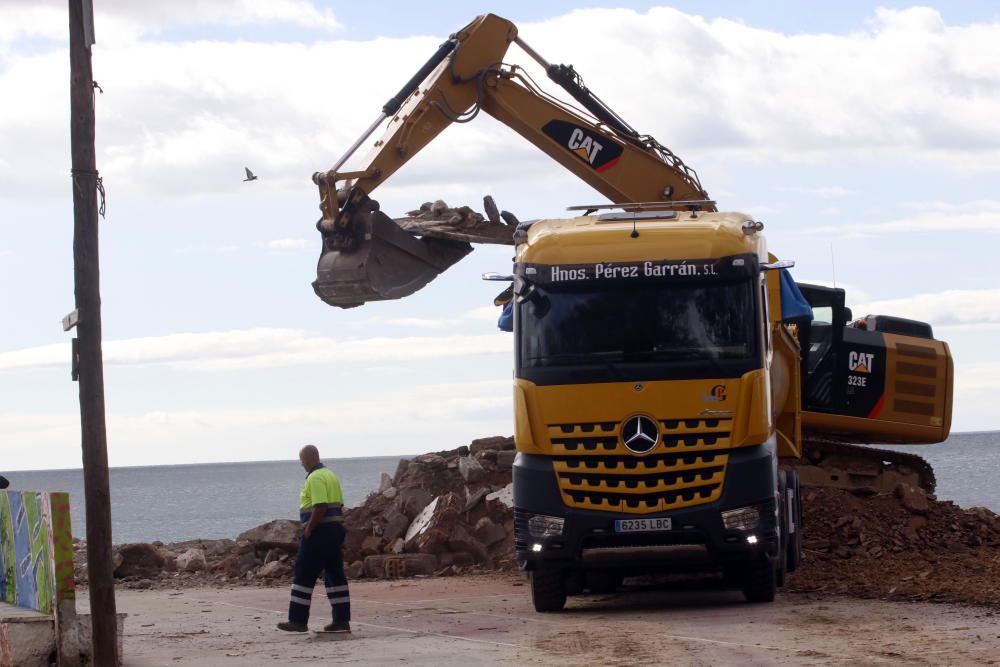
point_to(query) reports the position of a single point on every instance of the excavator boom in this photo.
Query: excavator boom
(367, 257)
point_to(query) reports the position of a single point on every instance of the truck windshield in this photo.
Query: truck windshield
(643, 330)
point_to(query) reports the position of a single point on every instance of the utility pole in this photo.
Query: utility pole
(89, 361)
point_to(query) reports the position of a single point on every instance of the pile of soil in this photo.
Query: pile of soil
(905, 545)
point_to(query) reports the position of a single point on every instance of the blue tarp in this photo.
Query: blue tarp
(793, 304)
(506, 321)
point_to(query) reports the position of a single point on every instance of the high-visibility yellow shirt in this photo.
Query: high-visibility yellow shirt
(321, 487)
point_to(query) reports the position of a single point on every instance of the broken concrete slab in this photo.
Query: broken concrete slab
(438, 220)
(192, 560)
(504, 495)
(395, 526)
(370, 545)
(139, 560)
(488, 532)
(470, 469)
(412, 501)
(505, 459)
(496, 442)
(282, 533)
(385, 481)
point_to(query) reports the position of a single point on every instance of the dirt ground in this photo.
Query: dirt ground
(488, 620)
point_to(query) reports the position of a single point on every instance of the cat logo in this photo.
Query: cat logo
(586, 147)
(860, 362)
(597, 151)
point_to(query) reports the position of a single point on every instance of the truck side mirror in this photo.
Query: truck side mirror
(780, 264)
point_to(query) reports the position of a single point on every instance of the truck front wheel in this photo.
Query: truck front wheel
(761, 581)
(548, 592)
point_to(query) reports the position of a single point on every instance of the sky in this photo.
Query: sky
(863, 135)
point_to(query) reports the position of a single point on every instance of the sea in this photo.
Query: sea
(218, 500)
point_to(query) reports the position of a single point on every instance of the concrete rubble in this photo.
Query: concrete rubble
(450, 512)
(439, 513)
(438, 220)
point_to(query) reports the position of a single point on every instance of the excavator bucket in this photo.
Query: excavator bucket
(389, 263)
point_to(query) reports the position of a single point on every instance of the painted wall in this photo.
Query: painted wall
(36, 550)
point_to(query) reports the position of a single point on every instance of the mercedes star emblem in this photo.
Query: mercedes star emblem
(640, 434)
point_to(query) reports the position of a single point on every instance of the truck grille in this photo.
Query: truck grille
(596, 472)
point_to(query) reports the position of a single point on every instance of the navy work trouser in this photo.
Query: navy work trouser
(322, 551)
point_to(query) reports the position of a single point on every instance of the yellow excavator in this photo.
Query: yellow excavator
(665, 362)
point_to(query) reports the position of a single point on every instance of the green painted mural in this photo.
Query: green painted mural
(36, 550)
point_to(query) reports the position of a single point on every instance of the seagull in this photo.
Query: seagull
(250, 175)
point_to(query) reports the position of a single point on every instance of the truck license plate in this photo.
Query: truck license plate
(642, 525)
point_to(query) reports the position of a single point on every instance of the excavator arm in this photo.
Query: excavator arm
(367, 257)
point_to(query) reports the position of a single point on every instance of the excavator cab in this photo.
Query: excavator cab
(876, 379)
(822, 341)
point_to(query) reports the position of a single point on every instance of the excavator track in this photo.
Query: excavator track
(827, 462)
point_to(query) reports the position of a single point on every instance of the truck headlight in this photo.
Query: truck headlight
(742, 518)
(540, 525)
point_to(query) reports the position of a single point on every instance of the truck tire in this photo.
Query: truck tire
(547, 590)
(761, 581)
(794, 557)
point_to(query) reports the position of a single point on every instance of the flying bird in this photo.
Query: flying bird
(250, 175)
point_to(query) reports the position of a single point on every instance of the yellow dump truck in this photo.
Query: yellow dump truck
(666, 402)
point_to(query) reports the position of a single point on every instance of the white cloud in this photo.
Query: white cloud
(182, 118)
(825, 192)
(951, 308)
(262, 348)
(289, 244)
(981, 216)
(125, 20)
(419, 323)
(480, 314)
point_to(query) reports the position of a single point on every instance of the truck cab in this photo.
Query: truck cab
(646, 403)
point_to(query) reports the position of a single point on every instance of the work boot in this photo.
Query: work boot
(338, 626)
(289, 626)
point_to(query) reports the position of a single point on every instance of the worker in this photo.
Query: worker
(321, 505)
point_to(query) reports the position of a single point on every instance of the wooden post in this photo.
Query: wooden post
(90, 358)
